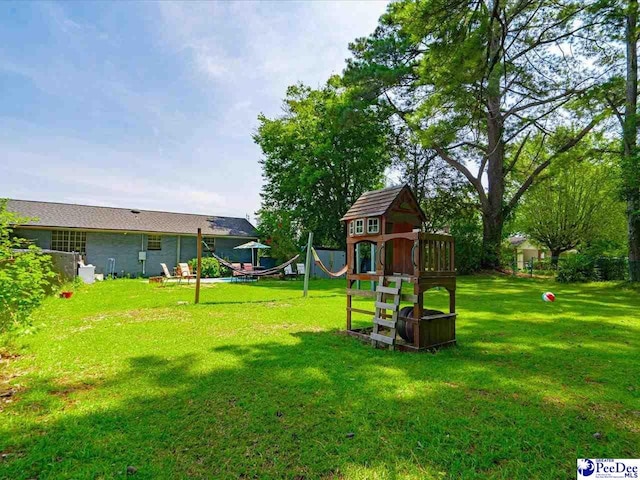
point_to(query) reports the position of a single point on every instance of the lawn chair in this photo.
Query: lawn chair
(185, 272)
(300, 268)
(167, 275)
(236, 275)
(288, 272)
(248, 267)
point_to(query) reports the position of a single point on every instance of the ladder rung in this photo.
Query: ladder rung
(383, 338)
(387, 306)
(398, 278)
(384, 323)
(389, 290)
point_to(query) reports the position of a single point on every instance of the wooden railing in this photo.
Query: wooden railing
(437, 254)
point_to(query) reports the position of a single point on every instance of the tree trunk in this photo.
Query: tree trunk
(631, 161)
(493, 210)
(555, 255)
(491, 240)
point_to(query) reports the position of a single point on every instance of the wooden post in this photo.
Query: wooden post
(357, 264)
(199, 250)
(307, 265)
(372, 267)
(349, 281)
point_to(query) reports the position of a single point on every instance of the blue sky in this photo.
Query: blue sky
(152, 105)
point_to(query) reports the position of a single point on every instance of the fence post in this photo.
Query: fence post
(199, 250)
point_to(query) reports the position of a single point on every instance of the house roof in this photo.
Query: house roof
(378, 202)
(517, 240)
(88, 217)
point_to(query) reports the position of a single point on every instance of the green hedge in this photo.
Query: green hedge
(585, 268)
(211, 268)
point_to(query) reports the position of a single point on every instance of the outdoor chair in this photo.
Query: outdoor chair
(236, 275)
(167, 275)
(185, 272)
(248, 267)
(300, 268)
(288, 272)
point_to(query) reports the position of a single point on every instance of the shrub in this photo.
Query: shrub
(612, 268)
(26, 275)
(468, 238)
(25, 280)
(577, 268)
(211, 267)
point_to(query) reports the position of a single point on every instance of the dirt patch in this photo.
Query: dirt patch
(6, 356)
(10, 455)
(131, 316)
(7, 391)
(7, 395)
(63, 389)
(276, 304)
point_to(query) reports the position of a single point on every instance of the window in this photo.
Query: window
(359, 226)
(69, 241)
(154, 242)
(351, 227)
(208, 244)
(373, 225)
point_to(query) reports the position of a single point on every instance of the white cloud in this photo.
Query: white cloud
(189, 125)
(132, 187)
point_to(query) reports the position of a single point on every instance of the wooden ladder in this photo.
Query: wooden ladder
(381, 319)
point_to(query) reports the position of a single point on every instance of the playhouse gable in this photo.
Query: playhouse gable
(393, 204)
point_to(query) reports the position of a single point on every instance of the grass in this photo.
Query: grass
(256, 382)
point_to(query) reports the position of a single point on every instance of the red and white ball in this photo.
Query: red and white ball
(548, 297)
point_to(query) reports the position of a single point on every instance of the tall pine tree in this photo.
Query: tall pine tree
(475, 80)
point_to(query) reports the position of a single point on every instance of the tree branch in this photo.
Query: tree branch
(567, 146)
(542, 101)
(474, 181)
(517, 155)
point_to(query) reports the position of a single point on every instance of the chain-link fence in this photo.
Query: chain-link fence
(574, 268)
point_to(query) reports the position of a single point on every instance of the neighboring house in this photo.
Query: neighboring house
(138, 240)
(525, 250)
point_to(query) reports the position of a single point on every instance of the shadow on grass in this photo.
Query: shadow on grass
(322, 405)
(516, 399)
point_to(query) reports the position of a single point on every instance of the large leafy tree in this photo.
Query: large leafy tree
(631, 159)
(441, 191)
(475, 80)
(575, 205)
(615, 24)
(319, 157)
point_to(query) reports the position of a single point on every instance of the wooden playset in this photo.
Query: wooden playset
(391, 220)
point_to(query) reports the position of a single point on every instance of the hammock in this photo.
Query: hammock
(255, 273)
(316, 258)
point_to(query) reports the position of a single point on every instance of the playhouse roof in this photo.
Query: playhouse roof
(379, 202)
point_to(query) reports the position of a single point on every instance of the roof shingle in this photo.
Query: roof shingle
(86, 217)
(377, 202)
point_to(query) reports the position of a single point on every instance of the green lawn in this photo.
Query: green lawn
(256, 382)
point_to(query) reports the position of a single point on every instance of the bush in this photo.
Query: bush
(577, 268)
(26, 276)
(25, 280)
(211, 267)
(612, 268)
(468, 245)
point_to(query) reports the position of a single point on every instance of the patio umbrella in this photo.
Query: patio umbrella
(253, 246)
